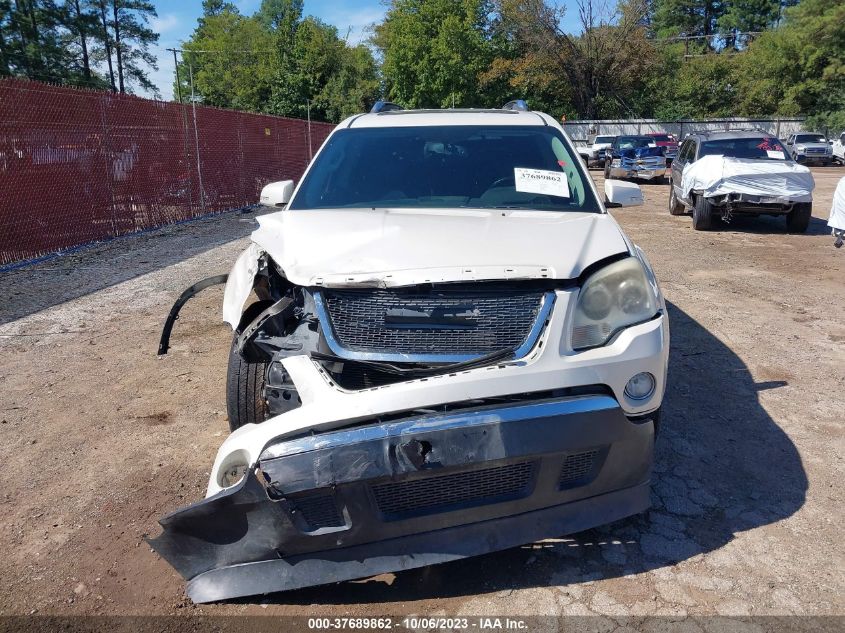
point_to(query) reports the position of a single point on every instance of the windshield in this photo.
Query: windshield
(634, 142)
(604, 139)
(495, 167)
(809, 138)
(764, 147)
(663, 138)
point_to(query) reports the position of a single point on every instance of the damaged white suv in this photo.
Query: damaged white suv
(444, 346)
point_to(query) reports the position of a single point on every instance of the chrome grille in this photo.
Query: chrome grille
(444, 492)
(403, 324)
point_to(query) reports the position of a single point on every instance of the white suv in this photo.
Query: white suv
(451, 349)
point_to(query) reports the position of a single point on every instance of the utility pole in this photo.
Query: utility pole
(308, 111)
(178, 81)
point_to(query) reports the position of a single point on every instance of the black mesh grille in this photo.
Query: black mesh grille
(443, 492)
(319, 511)
(576, 468)
(436, 322)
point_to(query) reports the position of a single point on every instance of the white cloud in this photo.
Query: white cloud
(164, 23)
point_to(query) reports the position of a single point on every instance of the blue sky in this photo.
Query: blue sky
(177, 19)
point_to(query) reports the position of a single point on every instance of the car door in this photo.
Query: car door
(685, 156)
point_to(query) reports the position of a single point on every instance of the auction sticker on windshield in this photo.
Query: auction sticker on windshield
(550, 183)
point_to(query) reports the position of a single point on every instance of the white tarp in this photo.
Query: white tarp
(772, 180)
(837, 212)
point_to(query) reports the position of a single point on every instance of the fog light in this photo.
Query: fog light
(640, 387)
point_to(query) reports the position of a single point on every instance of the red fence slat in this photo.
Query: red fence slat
(78, 166)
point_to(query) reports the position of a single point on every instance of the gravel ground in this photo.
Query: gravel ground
(99, 437)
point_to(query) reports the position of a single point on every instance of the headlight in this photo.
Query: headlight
(615, 162)
(800, 148)
(613, 298)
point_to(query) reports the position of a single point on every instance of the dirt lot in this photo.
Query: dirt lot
(99, 437)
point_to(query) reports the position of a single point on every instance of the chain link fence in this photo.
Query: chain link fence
(78, 166)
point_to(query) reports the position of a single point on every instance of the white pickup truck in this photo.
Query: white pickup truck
(839, 149)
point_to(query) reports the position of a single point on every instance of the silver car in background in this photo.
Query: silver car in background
(806, 147)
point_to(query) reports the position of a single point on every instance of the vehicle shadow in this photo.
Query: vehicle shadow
(768, 224)
(73, 274)
(723, 466)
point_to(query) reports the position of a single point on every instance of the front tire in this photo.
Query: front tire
(702, 214)
(798, 219)
(245, 381)
(675, 207)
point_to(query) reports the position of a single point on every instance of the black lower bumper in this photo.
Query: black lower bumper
(413, 492)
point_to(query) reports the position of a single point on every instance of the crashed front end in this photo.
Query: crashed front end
(419, 424)
(645, 163)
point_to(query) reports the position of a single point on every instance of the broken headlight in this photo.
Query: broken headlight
(613, 298)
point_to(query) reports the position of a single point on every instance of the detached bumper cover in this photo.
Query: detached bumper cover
(412, 492)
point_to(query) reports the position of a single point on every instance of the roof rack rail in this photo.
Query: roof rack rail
(385, 106)
(516, 104)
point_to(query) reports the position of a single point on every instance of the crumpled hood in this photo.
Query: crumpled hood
(410, 246)
(775, 180)
(642, 152)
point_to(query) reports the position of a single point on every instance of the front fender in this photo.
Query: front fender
(240, 283)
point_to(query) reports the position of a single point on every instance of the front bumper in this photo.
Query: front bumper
(415, 491)
(814, 158)
(643, 173)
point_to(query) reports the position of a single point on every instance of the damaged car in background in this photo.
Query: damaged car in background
(740, 172)
(635, 157)
(443, 346)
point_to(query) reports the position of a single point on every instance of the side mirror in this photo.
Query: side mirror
(277, 194)
(619, 193)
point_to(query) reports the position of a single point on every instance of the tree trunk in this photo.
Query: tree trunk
(21, 28)
(83, 39)
(117, 45)
(107, 42)
(4, 60)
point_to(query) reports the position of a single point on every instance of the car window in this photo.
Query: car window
(444, 167)
(633, 142)
(688, 154)
(604, 139)
(842, 138)
(753, 147)
(661, 137)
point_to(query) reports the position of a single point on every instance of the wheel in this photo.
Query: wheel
(675, 207)
(798, 219)
(245, 401)
(702, 214)
(606, 170)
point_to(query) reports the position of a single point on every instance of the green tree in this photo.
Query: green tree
(305, 69)
(353, 87)
(132, 39)
(798, 68)
(600, 69)
(674, 18)
(237, 70)
(434, 51)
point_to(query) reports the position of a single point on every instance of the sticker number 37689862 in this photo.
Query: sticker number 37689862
(541, 181)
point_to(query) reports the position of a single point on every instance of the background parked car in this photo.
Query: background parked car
(838, 149)
(635, 157)
(740, 172)
(668, 142)
(809, 147)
